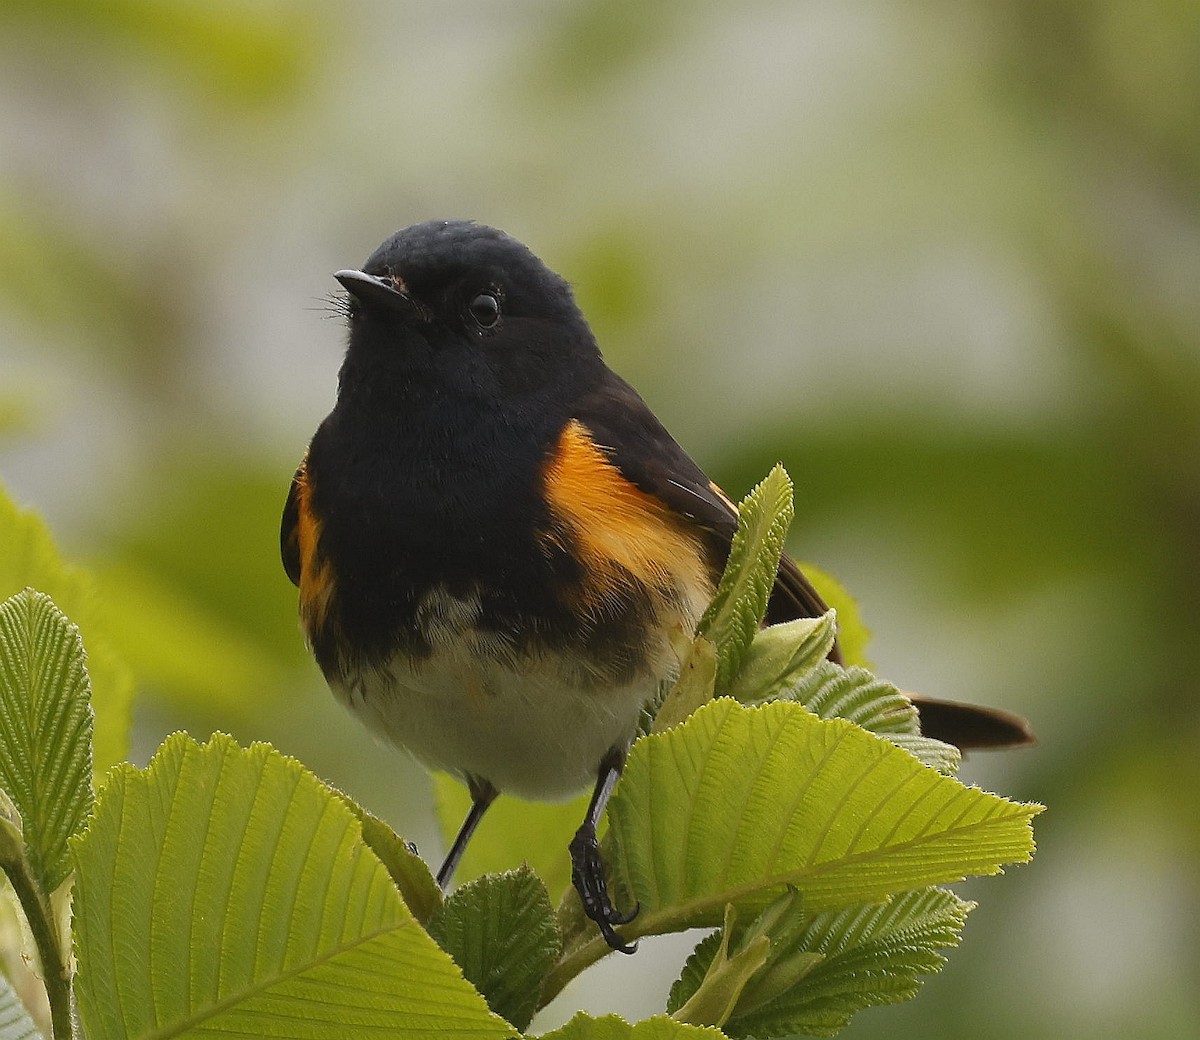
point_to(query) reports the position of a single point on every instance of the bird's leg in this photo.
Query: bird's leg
(587, 869)
(482, 795)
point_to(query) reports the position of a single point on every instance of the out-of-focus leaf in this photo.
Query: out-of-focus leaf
(1005, 510)
(852, 634)
(15, 414)
(213, 540)
(30, 559)
(96, 303)
(591, 43)
(186, 652)
(234, 53)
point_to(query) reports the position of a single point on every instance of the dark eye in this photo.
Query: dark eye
(485, 309)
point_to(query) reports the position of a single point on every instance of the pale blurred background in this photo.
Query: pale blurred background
(941, 258)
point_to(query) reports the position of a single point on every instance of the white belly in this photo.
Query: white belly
(536, 734)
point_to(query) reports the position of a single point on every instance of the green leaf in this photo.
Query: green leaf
(936, 754)
(864, 957)
(856, 695)
(513, 832)
(45, 730)
(737, 608)
(408, 871)
(694, 687)
(31, 560)
(786, 963)
(720, 984)
(610, 1027)
(227, 892)
(853, 635)
(780, 968)
(779, 654)
(740, 802)
(40, 918)
(15, 1023)
(12, 838)
(500, 930)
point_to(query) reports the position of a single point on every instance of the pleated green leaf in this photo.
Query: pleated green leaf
(611, 1027)
(831, 691)
(856, 695)
(857, 958)
(500, 930)
(45, 730)
(15, 1023)
(226, 892)
(936, 754)
(739, 802)
(737, 608)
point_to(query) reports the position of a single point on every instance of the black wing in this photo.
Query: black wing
(621, 423)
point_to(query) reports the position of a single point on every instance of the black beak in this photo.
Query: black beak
(378, 294)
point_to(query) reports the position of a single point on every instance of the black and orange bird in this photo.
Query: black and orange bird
(494, 537)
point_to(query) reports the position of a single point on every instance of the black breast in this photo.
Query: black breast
(410, 505)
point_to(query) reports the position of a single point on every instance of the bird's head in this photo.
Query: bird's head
(459, 306)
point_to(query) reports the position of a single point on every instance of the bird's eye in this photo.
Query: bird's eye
(485, 309)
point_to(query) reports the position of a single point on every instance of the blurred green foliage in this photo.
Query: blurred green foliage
(939, 259)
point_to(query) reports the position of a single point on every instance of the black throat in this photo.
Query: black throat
(431, 485)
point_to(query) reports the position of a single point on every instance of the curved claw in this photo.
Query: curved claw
(587, 875)
(614, 940)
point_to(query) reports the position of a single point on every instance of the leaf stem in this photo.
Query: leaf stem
(56, 976)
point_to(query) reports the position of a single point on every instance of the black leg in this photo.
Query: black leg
(587, 869)
(482, 795)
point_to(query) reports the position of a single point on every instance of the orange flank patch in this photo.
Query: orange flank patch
(316, 576)
(620, 531)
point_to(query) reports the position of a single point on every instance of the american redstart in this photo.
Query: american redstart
(494, 537)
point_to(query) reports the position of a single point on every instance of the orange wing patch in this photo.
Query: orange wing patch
(316, 575)
(619, 530)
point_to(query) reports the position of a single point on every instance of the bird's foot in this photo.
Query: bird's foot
(587, 875)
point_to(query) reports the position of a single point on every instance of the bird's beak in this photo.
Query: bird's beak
(379, 294)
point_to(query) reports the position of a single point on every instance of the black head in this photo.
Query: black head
(462, 309)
